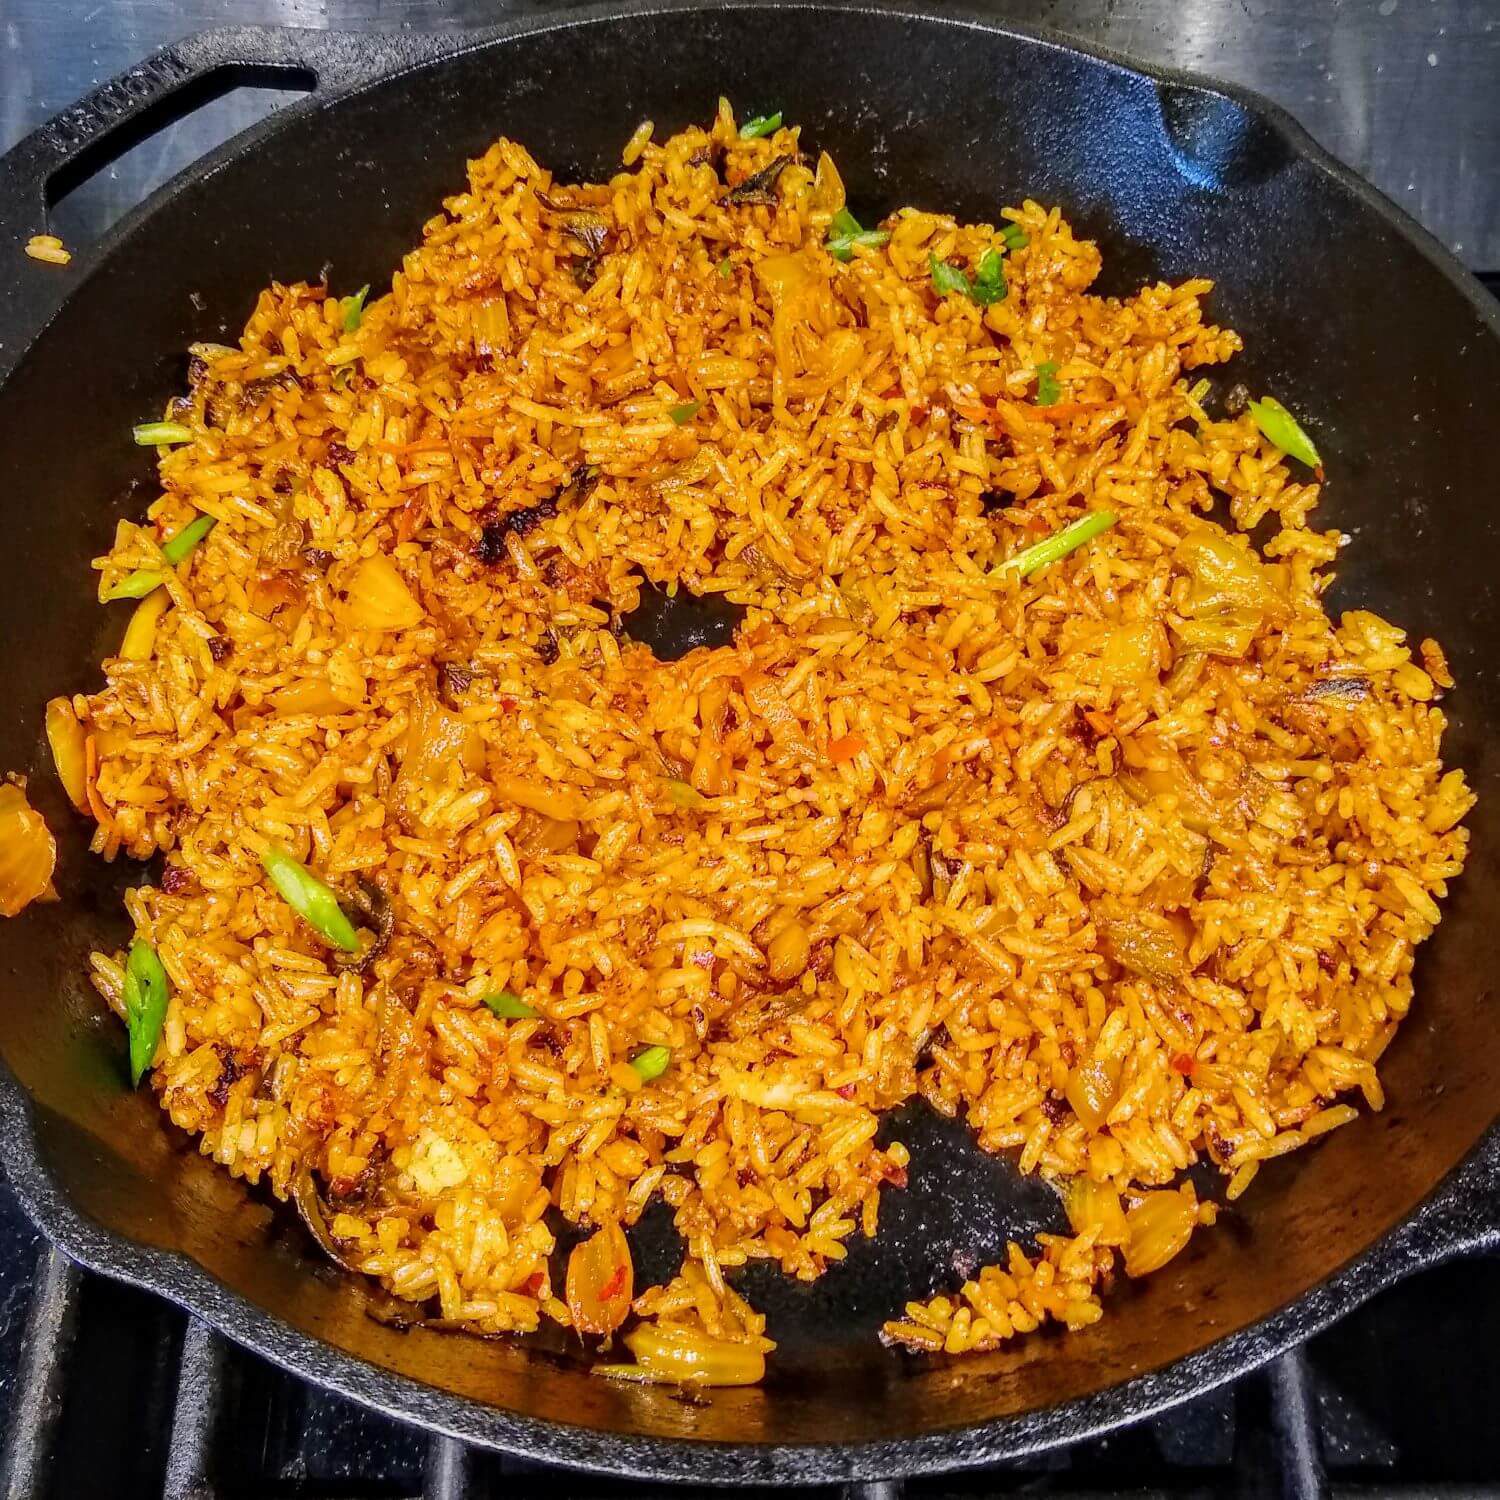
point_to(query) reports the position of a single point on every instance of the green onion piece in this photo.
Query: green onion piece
(146, 994)
(987, 287)
(989, 280)
(177, 548)
(1282, 429)
(155, 434)
(684, 795)
(947, 279)
(866, 239)
(1014, 237)
(142, 581)
(759, 126)
(354, 308)
(1057, 546)
(509, 1006)
(651, 1062)
(313, 901)
(845, 232)
(726, 270)
(685, 413)
(1048, 391)
(134, 585)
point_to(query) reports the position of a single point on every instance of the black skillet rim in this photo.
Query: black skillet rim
(1452, 1219)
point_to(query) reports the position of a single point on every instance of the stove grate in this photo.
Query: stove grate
(200, 1419)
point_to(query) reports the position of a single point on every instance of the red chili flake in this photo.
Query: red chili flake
(175, 880)
(409, 518)
(1055, 1109)
(893, 1174)
(614, 1286)
(508, 704)
(1184, 1062)
(1083, 728)
(846, 1091)
(534, 1283)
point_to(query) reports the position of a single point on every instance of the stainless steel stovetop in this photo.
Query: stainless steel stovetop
(1406, 91)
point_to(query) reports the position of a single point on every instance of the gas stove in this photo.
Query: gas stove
(107, 1391)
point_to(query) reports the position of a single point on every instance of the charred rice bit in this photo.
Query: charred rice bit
(1126, 859)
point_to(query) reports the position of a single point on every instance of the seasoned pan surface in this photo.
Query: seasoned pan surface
(1339, 297)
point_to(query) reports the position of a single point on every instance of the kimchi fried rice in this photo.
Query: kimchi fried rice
(1022, 785)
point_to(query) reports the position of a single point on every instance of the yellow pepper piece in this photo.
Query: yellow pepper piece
(140, 634)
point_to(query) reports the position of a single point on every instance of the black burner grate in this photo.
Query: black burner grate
(107, 1391)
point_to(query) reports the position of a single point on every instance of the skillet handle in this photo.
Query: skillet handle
(171, 83)
(168, 86)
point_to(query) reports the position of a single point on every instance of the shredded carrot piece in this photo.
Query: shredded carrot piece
(95, 799)
(846, 747)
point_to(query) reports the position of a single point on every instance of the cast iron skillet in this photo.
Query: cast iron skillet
(1349, 308)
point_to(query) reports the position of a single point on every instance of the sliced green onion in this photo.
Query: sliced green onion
(759, 126)
(987, 287)
(845, 232)
(651, 1062)
(1057, 546)
(685, 413)
(726, 269)
(684, 795)
(1282, 429)
(134, 585)
(354, 308)
(313, 901)
(1048, 391)
(176, 548)
(1014, 237)
(146, 994)
(155, 434)
(843, 247)
(509, 1006)
(947, 279)
(142, 581)
(989, 280)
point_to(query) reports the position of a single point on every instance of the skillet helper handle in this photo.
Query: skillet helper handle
(167, 86)
(171, 83)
